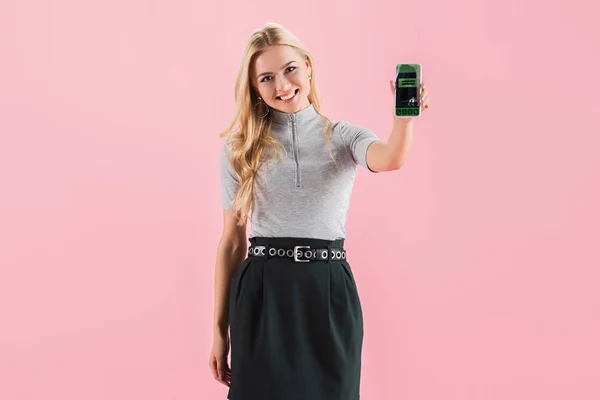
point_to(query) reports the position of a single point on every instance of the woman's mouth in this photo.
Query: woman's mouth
(287, 100)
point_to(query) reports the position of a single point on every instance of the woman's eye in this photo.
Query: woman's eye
(263, 80)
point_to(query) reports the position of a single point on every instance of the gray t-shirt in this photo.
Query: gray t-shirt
(307, 195)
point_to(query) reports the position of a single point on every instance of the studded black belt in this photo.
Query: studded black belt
(298, 253)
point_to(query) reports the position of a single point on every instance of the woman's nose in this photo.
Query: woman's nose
(282, 85)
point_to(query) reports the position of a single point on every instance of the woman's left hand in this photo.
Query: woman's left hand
(424, 97)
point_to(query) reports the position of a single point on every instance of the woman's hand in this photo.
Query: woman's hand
(218, 360)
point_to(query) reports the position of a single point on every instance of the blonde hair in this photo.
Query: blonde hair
(251, 143)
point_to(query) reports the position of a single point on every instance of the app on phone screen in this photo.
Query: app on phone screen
(407, 90)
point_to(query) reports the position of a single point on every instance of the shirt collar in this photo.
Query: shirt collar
(306, 115)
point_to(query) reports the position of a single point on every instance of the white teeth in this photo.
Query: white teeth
(288, 97)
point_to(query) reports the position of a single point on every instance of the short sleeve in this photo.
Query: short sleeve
(357, 139)
(229, 180)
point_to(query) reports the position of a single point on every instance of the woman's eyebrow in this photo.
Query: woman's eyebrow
(266, 73)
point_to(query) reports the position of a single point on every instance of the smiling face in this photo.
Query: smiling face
(280, 71)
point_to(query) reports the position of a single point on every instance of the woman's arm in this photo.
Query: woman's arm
(231, 251)
(390, 156)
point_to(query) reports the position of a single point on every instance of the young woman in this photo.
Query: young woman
(289, 300)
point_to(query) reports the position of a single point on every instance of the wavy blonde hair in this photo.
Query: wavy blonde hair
(249, 141)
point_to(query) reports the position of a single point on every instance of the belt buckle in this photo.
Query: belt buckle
(296, 253)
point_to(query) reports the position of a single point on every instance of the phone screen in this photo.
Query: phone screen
(407, 90)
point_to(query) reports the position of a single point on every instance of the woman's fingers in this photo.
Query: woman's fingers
(220, 370)
(224, 371)
(212, 363)
(424, 96)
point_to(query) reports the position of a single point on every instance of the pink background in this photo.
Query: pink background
(477, 262)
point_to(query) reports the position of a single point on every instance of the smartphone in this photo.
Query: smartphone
(407, 102)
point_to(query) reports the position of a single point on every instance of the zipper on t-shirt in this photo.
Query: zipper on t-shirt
(296, 153)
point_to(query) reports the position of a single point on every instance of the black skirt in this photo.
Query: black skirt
(296, 328)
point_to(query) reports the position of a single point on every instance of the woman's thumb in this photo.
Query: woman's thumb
(221, 367)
